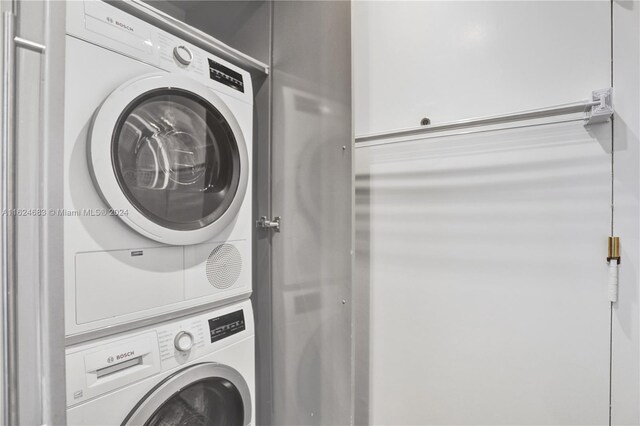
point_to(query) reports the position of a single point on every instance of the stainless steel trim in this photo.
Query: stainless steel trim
(579, 107)
(132, 325)
(51, 195)
(28, 44)
(199, 38)
(165, 390)
(9, 329)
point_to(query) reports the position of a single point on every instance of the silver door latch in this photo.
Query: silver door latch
(265, 223)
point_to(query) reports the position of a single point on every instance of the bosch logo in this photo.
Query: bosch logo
(119, 24)
(125, 26)
(110, 359)
(125, 355)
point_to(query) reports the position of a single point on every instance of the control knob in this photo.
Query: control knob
(183, 341)
(183, 55)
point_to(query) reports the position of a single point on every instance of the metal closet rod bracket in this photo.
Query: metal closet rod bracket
(601, 106)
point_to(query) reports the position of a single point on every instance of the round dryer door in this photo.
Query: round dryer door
(202, 395)
(168, 151)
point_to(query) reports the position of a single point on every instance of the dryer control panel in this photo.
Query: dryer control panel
(105, 25)
(225, 75)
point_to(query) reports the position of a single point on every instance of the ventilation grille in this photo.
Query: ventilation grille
(223, 266)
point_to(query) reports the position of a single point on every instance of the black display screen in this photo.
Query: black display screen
(226, 325)
(226, 76)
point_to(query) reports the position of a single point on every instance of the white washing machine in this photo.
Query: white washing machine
(198, 370)
(157, 151)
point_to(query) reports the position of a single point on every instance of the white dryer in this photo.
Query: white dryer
(157, 151)
(198, 370)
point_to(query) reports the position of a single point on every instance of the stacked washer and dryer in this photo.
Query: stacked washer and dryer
(157, 227)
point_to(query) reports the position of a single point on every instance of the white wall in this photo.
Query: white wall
(487, 279)
(626, 82)
(449, 60)
(456, 60)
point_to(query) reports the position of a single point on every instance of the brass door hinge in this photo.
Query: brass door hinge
(613, 251)
(613, 260)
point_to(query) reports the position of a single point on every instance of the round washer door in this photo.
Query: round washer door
(167, 150)
(207, 394)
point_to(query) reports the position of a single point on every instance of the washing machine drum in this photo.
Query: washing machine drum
(206, 394)
(169, 158)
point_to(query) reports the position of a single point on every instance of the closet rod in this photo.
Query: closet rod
(596, 111)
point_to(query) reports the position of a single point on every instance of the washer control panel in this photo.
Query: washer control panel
(104, 365)
(182, 341)
(226, 325)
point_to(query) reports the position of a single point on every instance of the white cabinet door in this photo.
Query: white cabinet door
(482, 256)
(311, 189)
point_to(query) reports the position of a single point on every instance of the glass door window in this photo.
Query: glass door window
(176, 159)
(211, 402)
